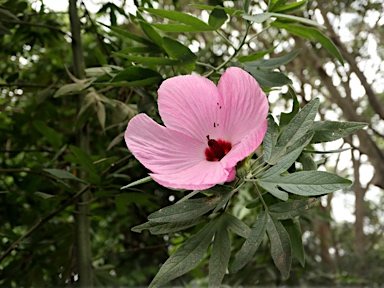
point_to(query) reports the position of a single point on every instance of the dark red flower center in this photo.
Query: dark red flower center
(217, 149)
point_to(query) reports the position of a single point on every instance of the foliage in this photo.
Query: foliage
(46, 170)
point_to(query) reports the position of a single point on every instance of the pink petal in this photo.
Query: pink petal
(245, 105)
(176, 160)
(246, 146)
(188, 104)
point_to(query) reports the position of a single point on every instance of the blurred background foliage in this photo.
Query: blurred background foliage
(46, 107)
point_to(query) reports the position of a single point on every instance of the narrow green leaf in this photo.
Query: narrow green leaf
(289, 210)
(285, 118)
(229, 11)
(308, 183)
(180, 28)
(140, 49)
(311, 34)
(268, 79)
(293, 228)
(137, 182)
(187, 257)
(236, 225)
(4, 30)
(251, 244)
(217, 18)
(62, 174)
(299, 125)
(83, 159)
(255, 56)
(178, 51)
(295, 19)
(127, 34)
(280, 246)
(53, 137)
(270, 138)
(157, 228)
(149, 60)
(274, 4)
(272, 188)
(101, 114)
(136, 74)
(308, 163)
(72, 88)
(273, 63)
(8, 14)
(327, 131)
(44, 195)
(187, 209)
(290, 7)
(151, 33)
(221, 251)
(257, 18)
(179, 17)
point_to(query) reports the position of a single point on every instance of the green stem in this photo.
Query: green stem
(261, 197)
(82, 223)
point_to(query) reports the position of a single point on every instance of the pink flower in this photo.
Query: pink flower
(208, 129)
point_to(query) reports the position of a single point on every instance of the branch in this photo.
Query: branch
(51, 27)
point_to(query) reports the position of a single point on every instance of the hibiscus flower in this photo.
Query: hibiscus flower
(208, 129)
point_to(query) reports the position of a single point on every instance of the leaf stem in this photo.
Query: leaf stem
(261, 197)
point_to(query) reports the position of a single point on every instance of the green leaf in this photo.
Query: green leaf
(123, 200)
(270, 138)
(217, 18)
(73, 88)
(136, 74)
(151, 33)
(127, 34)
(251, 244)
(274, 62)
(293, 227)
(229, 11)
(140, 49)
(8, 14)
(272, 188)
(137, 182)
(299, 125)
(187, 209)
(280, 246)
(187, 257)
(290, 7)
(178, 28)
(4, 30)
(157, 228)
(268, 79)
(327, 131)
(221, 251)
(311, 34)
(274, 4)
(255, 56)
(236, 225)
(262, 17)
(308, 162)
(149, 60)
(178, 51)
(62, 174)
(44, 195)
(308, 183)
(285, 118)
(53, 137)
(101, 114)
(180, 17)
(292, 209)
(86, 162)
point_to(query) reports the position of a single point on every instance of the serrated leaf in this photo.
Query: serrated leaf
(273, 63)
(236, 225)
(62, 174)
(157, 228)
(311, 34)
(268, 79)
(53, 137)
(221, 251)
(187, 209)
(289, 210)
(217, 18)
(272, 188)
(293, 227)
(280, 246)
(308, 183)
(187, 257)
(327, 131)
(251, 244)
(299, 125)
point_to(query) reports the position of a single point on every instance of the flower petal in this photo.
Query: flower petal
(176, 159)
(245, 104)
(189, 104)
(246, 146)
